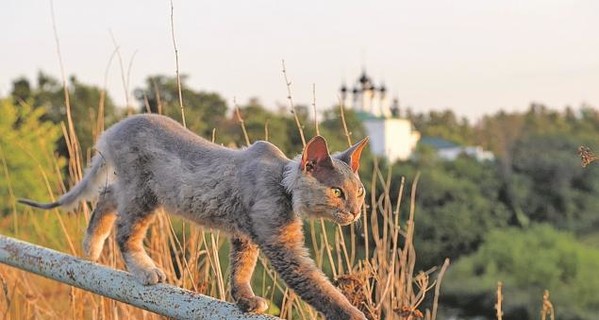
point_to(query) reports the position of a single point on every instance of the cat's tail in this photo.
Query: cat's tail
(96, 177)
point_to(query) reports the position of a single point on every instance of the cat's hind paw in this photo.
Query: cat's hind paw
(149, 276)
(253, 304)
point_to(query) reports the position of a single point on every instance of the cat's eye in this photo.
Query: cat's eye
(360, 191)
(337, 192)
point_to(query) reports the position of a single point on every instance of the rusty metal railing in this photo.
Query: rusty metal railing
(162, 299)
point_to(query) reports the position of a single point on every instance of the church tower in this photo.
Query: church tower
(391, 136)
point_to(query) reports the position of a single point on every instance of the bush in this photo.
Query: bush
(26, 154)
(527, 262)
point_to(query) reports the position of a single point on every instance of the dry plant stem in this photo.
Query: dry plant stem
(241, 123)
(349, 258)
(291, 105)
(102, 102)
(177, 64)
(547, 307)
(71, 137)
(438, 288)
(266, 130)
(10, 192)
(317, 251)
(346, 256)
(60, 220)
(123, 78)
(6, 297)
(499, 301)
(328, 247)
(407, 256)
(314, 108)
(72, 143)
(391, 275)
(147, 104)
(129, 68)
(175, 242)
(158, 99)
(218, 269)
(342, 113)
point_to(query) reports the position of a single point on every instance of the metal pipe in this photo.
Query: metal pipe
(162, 299)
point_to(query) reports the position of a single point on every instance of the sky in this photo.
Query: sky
(473, 57)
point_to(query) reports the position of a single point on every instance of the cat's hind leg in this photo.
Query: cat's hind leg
(134, 218)
(244, 255)
(100, 224)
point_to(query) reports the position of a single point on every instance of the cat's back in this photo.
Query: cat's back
(147, 130)
(147, 123)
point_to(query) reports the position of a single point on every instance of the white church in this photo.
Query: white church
(391, 136)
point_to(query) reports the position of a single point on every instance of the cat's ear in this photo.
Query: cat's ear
(351, 156)
(316, 154)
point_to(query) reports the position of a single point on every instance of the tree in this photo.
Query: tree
(527, 261)
(554, 187)
(26, 154)
(457, 204)
(87, 103)
(444, 124)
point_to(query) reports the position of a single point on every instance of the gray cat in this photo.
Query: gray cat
(257, 195)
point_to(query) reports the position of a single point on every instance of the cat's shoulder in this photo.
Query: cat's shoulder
(265, 149)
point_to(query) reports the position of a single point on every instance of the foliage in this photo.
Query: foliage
(444, 124)
(86, 102)
(527, 261)
(554, 187)
(26, 154)
(457, 205)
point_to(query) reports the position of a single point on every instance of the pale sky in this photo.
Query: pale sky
(472, 56)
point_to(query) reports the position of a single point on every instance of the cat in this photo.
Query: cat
(257, 195)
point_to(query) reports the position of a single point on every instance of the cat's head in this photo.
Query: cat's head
(327, 186)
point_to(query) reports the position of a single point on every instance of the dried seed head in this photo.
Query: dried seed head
(586, 155)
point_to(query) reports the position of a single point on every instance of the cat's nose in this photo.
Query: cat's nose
(356, 210)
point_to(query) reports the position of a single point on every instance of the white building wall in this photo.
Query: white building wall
(391, 137)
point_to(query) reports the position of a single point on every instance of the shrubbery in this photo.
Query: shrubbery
(527, 261)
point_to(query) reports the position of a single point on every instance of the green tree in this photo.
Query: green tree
(27, 154)
(457, 204)
(444, 124)
(527, 261)
(86, 101)
(553, 186)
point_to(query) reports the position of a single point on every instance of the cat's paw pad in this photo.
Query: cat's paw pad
(253, 304)
(150, 276)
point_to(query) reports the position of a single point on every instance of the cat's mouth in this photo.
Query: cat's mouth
(345, 217)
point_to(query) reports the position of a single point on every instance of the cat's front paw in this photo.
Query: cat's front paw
(253, 304)
(149, 276)
(91, 249)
